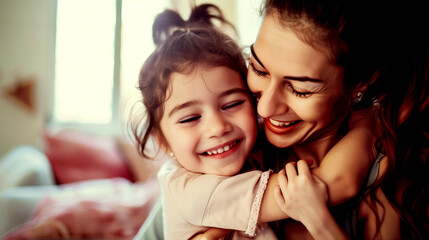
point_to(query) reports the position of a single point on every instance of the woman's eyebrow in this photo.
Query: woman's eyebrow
(303, 79)
(254, 55)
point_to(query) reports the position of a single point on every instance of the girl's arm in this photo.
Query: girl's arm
(304, 198)
(344, 169)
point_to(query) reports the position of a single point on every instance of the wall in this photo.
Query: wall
(27, 35)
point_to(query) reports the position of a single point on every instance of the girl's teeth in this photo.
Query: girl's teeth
(221, 150)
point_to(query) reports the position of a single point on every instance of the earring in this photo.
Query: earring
(357, 100)
(172, 155)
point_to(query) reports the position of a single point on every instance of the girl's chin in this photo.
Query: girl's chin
(229, 171)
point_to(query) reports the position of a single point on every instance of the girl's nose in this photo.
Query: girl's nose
(217, 125)
(272, 101)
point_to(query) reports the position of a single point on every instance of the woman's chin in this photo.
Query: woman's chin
(279, 140)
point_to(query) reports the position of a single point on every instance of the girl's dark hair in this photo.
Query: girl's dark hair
(180, 47)
(388, 41)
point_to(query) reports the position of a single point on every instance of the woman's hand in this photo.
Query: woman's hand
(212, 234)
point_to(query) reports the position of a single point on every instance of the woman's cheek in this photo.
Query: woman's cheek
(309, 110)
(253, 83)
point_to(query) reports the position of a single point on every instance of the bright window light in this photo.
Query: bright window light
(85, 58)
(84, 61)
(88, 91)
(137, 45)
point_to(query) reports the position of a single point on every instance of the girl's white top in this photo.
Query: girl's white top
(193, 202)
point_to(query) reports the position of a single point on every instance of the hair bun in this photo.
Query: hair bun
(204, 15)
(164, 25)
(167, 22)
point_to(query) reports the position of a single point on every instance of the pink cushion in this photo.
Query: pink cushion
(77, 156)
(97, 209)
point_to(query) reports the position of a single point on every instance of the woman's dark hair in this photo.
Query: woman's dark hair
(181, 46)
(384, 42)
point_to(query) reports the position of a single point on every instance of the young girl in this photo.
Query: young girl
(200, 110)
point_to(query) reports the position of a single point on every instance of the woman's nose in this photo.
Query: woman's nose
(272, 102)
(217, 125)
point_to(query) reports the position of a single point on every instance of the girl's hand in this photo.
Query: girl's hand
(304, 197)
(300, 194)
(212, 234)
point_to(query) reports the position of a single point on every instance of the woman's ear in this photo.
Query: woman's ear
(360, 97)
(363, 86)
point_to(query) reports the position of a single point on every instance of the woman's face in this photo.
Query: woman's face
(209, 120)
(301, 93)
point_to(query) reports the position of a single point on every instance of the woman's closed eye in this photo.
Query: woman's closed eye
(299, 93)
(257, 72)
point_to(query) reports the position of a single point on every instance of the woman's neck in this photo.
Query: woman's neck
(317, 149)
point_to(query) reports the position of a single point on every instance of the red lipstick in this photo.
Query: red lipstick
(280, 130)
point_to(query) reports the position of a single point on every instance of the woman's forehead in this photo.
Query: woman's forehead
(282, 53)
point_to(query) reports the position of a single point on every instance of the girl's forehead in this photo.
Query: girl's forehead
(212, 78)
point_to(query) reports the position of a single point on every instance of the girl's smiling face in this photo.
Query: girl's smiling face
(301, 93)
(209, 121)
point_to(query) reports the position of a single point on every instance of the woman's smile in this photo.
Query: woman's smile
(281, 127)
(301, 93)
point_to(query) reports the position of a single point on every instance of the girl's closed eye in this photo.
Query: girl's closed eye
(233, 104)
(189, 119)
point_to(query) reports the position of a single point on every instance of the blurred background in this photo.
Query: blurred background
(74, 63)
(68, 75)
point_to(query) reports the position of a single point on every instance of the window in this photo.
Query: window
(100, 47)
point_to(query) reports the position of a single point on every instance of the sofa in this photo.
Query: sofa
(77, 186)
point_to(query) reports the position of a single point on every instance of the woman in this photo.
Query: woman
(310, 62)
